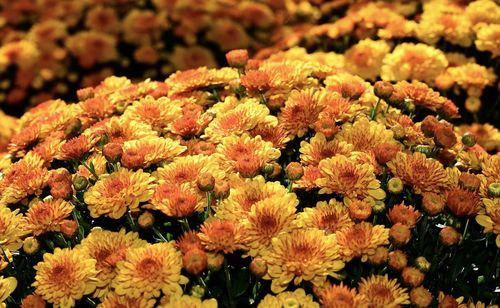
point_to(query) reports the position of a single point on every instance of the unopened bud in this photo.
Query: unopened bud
(258, 267)
(294, 171)
(205, 181)
(195, 261)
(395, 186)
(31, 245)
(113, 152)
(197, 291)
(383, 89)
(146, 220)
(400, 234)
(237, 57)
(68, 227)
(221, 189)
(449, 236)
(422, 264)
(494, 190)
(80, 183)
(215, 261)
(469, 140)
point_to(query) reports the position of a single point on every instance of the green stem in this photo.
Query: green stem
(131, 221)
(91, 170)
(228, 283)
(202, 282)
(208, 211)
(465, 232)
(76, 218)
(158, 233)
(290, 186)
(373, 112)
(185, 225)
(90, 302)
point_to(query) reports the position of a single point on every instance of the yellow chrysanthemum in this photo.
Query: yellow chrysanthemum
(248, 193)
(318, 148)
(237, 117)
(437, 24)
(297, 298)
(364, 135)
(186, 169)
(7, 286)
(11, 228)
(151, 150)
(65, 276)
(8, 126)
(47, 216)
(99, 163)
(382, 292)
(148, 270)
(302, 255)
(472, 77)
(489, 217)
(118, 192)
(108, 248)
(329, 217)
(483, 12)
(265, 220)
(413, 61)
(365, 58)
(421, 173)
(486, 135)
(361, 240)
(114, 300)
(189, 301)
(119, 130)
(158, 113)
(244, 154)
(346, 177)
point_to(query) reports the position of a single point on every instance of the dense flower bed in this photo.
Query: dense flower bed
(282, 182)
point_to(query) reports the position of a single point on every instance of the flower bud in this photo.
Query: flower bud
(420, 297)
(444, 136)
(395, 186)
(429, 125)
(433, 203)
(68, 227)
(146, 220)
(494, 190)
(378, 207)
(268, 169)
(469, 181)
(195, 261)
(61, 190)
(385, 152)
(221, 189)
(469, 140)
(397, 260)
(473, 104)
(33, 301)
(113, 152)
(383, 89)
(215, 261)
(294, 171)
(276, 171)
(380, 257)
(80, 183)
(359, 210)
(197, 291)
(412, 276)
(237, 57)
(422, 264)
(205, 182)
(449, 236)
(352, 90)
(400, 234)
(31, 245)
(258, 267)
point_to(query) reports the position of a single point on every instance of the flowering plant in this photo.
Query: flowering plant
(267, 183)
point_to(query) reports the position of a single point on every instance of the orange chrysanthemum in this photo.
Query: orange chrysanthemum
(158, 113)
(421, 173)
(176, 200)
(318, 148)
(340, 296)
(462, 202)
(489, 217)
(382, 292)
(365, 58)
(65, 276)
(329, 217)
(361, 240)
(187, 168)
(405, 214)
(225, 236)
(148, 270)
(419, 94)
(47, 216)
(108, 248)
(308, 180)
(302, 255)
(150, 150)
(346, 177)
(122, 190)
(275, 134)
(113, 300)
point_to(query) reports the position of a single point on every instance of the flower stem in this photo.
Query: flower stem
(373, 112)
(228, 284)
(91, 170)
(465, 232)
(184, 225)
(131, 221)
(208, 211)
(158, 233)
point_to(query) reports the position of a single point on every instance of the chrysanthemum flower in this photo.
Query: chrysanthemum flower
(488, 39)
(318, 148)
(275, 134)
(148, 270)
(76, 147)
(118, 192)
(329, 217)
(302, 255)
(7, 286)
(113, 300)
(176, 200)
(65, 276)
(12, 228)
(158, 113)
(108, 248)
(248, 193)
(225, 236)
(419, 94)
(365, 58)
(308, 180)
(382, 292)
(119, 130)
(187, 301)
(302, 110)
(483, 11)
(437, 24)
(340, 296)
(187, 168)
(346, 177)
(405, 214)
(289, 299)
(265, 220)
(364, 135)
(99, 163)
(245, 154)
(150, 150)
(421, 173)
(462, 202)
(235, 118)
(47, 216)
(361, 240)
(413, 61)
(489, 217)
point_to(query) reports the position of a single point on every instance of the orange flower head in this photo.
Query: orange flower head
(380, 257)
(359, 209)
(412, 276)
(405, 214)
(69, 227)
(382, 292)
(420, 94)
(248, 166)
(398, 260)
(329, 217)
(469, 181)
(361, 240)
(76, 147)
(187, 241)
(462, 202)
(449, 236)
(386, 152)
(433, 203)
(33, 301)
(47, 216)
(339, 296)
(365, 135)
(400, 234)
(319, 148)
(176, 200)
(146, 220)
(195, 261)
(420, 297)
(258, 267)
(237, 57)
(113, 152)
(256, 81)
(444, 136)
(225, 236)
